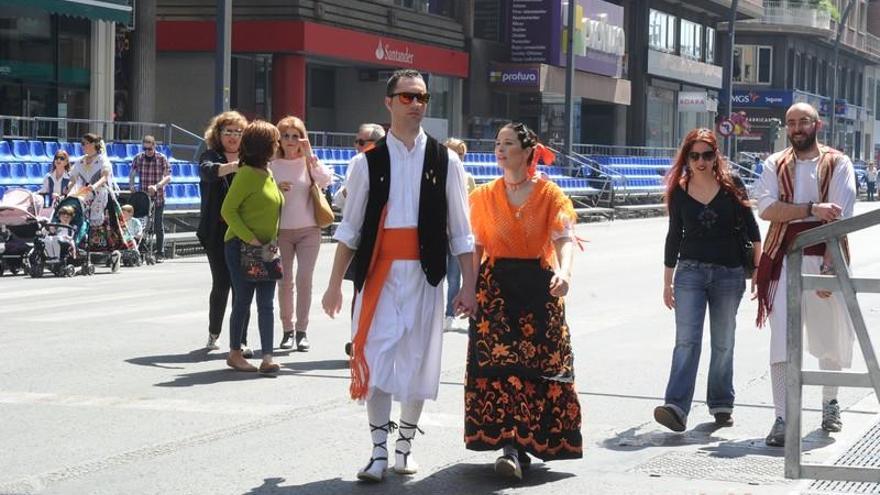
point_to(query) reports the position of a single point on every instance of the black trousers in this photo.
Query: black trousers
(221, 286)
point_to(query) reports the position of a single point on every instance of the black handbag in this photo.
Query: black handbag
(261, 263)
(746, 248)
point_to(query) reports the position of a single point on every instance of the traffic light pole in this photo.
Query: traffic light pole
(569, 81)
(223, 56)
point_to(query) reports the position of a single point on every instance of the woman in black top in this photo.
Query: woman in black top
(707, 209)
(217, 167)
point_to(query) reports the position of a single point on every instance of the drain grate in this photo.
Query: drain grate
(865, 453)
(753, 469)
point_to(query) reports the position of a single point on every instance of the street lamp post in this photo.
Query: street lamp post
(223, 56)
(836, 57)
(569, 81)
(728, 97)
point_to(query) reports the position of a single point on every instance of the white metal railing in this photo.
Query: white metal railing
(841, 281)
(796, 14)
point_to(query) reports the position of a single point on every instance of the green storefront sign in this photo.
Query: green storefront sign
(99, 10)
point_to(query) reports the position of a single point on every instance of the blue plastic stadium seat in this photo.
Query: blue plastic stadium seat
(131, 150)
(349, 154)
(51, 147)
(17, 173)
(37, 150)
(6, 152)
(35, 172)
(21, 150)
(5, 173)
(192, 190)
(2, 190)
(177, 170)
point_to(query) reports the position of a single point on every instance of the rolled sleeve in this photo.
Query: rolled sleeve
(461, 240)
(842, 190)
(766, 189)
(358, 186)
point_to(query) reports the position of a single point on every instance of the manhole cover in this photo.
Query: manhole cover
(704, 466)
(864, 453)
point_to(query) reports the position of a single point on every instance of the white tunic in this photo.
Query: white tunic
(405, 340)
(829, 329)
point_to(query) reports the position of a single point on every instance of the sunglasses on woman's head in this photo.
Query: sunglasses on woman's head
(707, 156)
(407, 98)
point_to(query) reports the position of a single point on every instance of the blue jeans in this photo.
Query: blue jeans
(696, 285)
(453, 282)
(244, 294)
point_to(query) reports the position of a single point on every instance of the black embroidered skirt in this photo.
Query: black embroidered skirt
(519, 388)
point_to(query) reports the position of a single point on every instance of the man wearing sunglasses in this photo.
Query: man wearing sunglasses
(802, 187)
(407, 205)
(152, 169)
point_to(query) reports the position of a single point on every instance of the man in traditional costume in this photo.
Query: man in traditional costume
(802, 187)
(406, 208)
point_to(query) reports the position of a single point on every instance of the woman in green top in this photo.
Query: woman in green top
(251, 210)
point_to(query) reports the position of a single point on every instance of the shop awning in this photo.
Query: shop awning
(98, 10)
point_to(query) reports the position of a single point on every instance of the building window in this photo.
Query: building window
(322, 87)
(752, 64)
(691, 40)
(710, 45)
(661, 31)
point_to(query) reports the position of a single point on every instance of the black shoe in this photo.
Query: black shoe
(723, 419)
(302, 343)
(159, 258)
(287, 341)
(667, 417)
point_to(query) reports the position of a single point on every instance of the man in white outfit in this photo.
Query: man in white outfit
(406, 208)
(800, 188)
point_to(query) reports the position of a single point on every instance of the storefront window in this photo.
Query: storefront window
(752, 64)
(710, 45)
(661, 31)
(691, 40)
(441, 97)
(660, 117)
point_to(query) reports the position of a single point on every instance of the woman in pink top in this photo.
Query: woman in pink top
(298, 236)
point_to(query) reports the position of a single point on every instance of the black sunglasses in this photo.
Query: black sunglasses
(707, 156)
(363, 142)
(407, 98)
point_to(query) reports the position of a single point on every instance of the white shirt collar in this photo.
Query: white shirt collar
(392, 140)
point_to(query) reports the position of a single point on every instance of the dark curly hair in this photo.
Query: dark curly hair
(527, 137)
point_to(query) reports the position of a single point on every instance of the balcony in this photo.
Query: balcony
(865, 43)
(795, 14)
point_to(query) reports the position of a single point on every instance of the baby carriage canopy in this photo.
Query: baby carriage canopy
(140, 202)
(79, 220)
(19, 207)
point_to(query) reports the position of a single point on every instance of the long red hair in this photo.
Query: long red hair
(679, 174)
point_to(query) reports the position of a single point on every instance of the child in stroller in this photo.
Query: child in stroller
(132, 257)
(59, 244)
(140, 208)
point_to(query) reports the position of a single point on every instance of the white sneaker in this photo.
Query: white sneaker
(449, 323)
(212, 342)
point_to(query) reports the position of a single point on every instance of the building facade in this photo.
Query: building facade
(786, 56)
(57, 57)
(676, 66)
(325, 61)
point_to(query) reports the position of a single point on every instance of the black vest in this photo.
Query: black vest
(433, 240)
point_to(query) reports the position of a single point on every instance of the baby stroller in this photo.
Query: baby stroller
(62, 263)
(20, 212)
(143, 211)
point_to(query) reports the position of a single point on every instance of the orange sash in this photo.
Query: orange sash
(391, 244)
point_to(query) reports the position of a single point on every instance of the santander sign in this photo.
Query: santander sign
(386, 53)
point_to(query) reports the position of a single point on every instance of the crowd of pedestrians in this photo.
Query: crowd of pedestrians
(412, 217)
